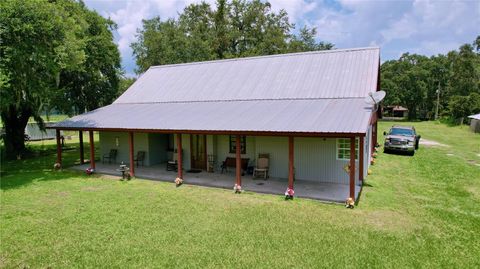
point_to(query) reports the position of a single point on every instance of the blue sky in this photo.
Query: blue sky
(415, 26)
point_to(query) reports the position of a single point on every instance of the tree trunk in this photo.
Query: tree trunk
(15, 123)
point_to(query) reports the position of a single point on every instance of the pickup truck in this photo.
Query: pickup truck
(401, 139)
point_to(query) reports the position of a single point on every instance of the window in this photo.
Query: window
(343, 148)
(243, 144)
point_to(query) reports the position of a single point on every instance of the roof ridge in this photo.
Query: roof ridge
(236, 100)
(264, 57)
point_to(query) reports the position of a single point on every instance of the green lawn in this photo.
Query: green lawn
(421, 211)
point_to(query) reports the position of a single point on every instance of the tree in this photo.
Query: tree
(36, 44)
(462, 106)
(124, 84)
(94, 82)
(234, 29)
(414, 80)
(49, 50)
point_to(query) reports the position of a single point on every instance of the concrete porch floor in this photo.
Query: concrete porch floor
(324, 191)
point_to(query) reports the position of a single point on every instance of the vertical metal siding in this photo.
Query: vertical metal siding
(316, 160)
(157, 148)
(107, 142)
(277, 147)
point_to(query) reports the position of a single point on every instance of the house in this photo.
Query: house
(305, 110)
(395, 112)
(475, 123)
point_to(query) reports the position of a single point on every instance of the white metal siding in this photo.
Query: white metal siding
(277, 147)
(157, 148)
(107, 142)
(316, 160)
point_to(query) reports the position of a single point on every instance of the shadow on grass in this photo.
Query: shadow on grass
(37, 166)
(399, 153)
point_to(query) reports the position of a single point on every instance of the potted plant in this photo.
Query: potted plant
(178, 181)
(237, 188)
(289, 194)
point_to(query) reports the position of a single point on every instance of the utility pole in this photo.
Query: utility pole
(438, 101)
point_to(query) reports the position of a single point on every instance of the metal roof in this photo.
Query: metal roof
(476, 116)
(350, 115)
(314, 92)
(308, 75)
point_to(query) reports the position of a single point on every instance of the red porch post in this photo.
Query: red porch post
(290, 162)
(179, 156)
(239, 160)
(82, 155)
(361, 158)
(352, 168)
(92, 150)
(132, 160)
(59, 147)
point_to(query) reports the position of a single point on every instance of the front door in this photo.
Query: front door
(198, 145)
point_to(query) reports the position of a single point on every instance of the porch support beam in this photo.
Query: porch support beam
(361, 154)
(59, 147)
(132, 160)
(290, 162)
(82, 154)
(238, 161)
(352, 168)
(92, 150)
(179, 156)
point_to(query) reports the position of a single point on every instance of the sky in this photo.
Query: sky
(415, 26)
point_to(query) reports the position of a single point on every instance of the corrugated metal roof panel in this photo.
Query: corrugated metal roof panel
(476, 116)
(350, 115)
(347, 73)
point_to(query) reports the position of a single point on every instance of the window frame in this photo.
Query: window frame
(232, 144)
(338, 148)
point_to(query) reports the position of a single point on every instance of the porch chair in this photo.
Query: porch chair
(172, 163)
(111, 156)
(262, 166)
(140, 158)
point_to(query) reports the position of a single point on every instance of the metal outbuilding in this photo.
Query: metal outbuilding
(311, 94)
(475, 123)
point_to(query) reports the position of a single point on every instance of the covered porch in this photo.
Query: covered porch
(324, 191)
(327, 191)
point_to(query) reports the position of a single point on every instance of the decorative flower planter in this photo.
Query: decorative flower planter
(57, 166)
(178, 182)
(289, 194)
(237, 188)
(89, 171)
(350, 203)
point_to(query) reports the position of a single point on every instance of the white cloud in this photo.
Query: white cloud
(419, 26)
(296, 9)
(427, 27)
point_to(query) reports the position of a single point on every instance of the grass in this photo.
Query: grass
(420, 211)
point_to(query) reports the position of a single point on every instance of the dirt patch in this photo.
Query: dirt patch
(63, 193)
(431, 143)
(89, 188)
(389, 220)
(473, 162)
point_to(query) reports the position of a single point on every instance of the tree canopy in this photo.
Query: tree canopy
(234, 29)
(413, 80)
(53, 54)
